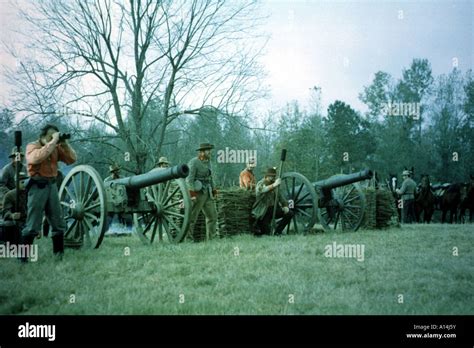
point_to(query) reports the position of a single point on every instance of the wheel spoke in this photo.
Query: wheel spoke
(70, 228)
(298, 193)
(352, 206)
(304, 212)
(172, 204)
(87, 188)
(351, 199)
(168, 212)
(91, 195)
(167, 230)
(299, 200)
(350, 212)
(295, 226)
(93, 206)
(78, 194)
(73, 197)
(293, 187)
(153, 231)
(337, 219)
(176, 227)
(171, 195)
(348, 193)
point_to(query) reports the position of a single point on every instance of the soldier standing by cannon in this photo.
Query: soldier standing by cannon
(247, 177)
(407, 192)
(262, 210)
(42, 158)
(202, 191)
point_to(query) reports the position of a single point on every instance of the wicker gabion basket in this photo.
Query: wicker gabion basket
(380, 210)
(234, 207)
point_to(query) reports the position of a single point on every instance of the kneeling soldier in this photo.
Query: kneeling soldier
(18, 218)
(262, 209)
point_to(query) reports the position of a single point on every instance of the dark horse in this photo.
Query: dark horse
(450, 201)
(424, 200)
(467, 202)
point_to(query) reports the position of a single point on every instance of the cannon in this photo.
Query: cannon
(159, 201)
(337, 203)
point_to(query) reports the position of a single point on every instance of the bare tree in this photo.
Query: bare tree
(136, 66)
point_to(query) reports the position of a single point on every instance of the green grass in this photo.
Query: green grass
(416, 261)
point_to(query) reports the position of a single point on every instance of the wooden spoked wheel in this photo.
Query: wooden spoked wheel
(302, 198)
(345, 211)
(83, 200)
(169, 215)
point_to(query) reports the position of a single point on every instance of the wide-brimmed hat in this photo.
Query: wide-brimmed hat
(163, 160)
(14, 151)
(270, 172)
(205, 146)
(114, 168)
(406, 173)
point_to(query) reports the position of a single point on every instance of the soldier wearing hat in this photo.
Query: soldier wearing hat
(9, 171)
(114, 170)
(247, 177)
(9, 207)
(163, 163)
(202, 191)
(42, 157)
(407, 192)
(262, 210)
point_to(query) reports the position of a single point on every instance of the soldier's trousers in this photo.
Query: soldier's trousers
(205, 203)
(44, 199)
(408, 211)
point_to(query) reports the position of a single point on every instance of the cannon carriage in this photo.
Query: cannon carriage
(337, 203)
(158, 200)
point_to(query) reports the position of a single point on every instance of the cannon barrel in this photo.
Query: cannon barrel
(344, 179)
(153, 177)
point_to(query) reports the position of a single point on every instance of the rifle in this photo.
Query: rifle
(282, 159)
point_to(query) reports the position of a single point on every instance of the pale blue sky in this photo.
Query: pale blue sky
(339, 45)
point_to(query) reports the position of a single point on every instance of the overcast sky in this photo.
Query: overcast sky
(339, 45)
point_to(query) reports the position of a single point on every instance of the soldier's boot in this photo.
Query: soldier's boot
(58, 246)
(26, 243)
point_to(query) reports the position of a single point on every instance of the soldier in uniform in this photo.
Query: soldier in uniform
(247, 177)
(7, 177)
(407, 192)
(42, 158)
(114, 173)
(262, 210)
(163, 163)
(202, 191)
(18, 218)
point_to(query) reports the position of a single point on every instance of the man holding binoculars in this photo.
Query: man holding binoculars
(42, 158)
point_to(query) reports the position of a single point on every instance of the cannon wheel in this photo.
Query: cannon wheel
(302, 200)
(348, 209)
(170, 213)
(82, 197)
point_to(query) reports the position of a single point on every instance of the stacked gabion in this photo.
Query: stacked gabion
(370, 217)
(234, 207)
(380, 210)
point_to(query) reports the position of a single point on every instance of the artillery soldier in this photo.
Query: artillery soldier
(262, 209)
(114, 173)
(18, 218)
(247, 177)
(163, 163)
(7, 177)
(407, 192)
(202, 191)
(42, 158)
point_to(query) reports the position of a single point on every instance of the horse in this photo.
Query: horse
(424, 200)
(467, 201)
(450, 201)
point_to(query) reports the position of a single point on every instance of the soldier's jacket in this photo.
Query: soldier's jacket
(9, 205)
(265, 200)
(199, 170)
(407, 191)
(8, 175)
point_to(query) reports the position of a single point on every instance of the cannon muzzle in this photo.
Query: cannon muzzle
(153, 177)
(344, 179)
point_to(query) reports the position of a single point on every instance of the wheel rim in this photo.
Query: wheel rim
(302, 198)
(83, 200)
(169, 214)
(345, 211)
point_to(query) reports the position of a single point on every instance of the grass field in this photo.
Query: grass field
(248, 275)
